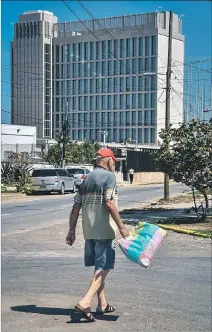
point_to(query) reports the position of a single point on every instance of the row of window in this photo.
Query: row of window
(47, 89)
(109, 102)
(47, 132)
(32, 29)
(106, 49)
(141, 135)
(105, 68)
(108, 119)
(105, 85)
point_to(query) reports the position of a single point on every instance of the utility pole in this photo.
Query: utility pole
(64, 135)
(204, 95)
(198, 100)
(168, 97)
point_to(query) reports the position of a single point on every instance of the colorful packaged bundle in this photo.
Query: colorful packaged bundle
(143, 242)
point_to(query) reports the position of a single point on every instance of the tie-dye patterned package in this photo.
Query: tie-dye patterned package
(143, 242)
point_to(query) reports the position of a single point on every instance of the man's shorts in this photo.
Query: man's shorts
(100, 253)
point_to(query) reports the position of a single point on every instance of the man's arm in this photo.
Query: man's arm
(112, 208)
(109, 197)
(74, 215)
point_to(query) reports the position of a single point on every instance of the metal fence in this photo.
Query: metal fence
(8, 149)
(140, 161)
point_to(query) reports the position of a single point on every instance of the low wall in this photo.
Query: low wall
(148, 177)
(142, 177)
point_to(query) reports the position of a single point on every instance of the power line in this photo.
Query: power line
(92, 90)
(41, 76)
(159, 67)
(98, 40)
(186, 103)
(125, 93)
(181, 75)
(89, 122)
(176, 107)
(94, 33)
(106, 30)
(100, 88)
(186, 64)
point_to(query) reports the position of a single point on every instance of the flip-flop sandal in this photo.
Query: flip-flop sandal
(86, 313)
(108, 309)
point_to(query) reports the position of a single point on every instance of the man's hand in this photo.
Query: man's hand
(70, 238)
(124, 232)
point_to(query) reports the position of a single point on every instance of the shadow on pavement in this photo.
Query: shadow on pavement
(74, 315)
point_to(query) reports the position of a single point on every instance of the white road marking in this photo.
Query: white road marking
(6, 214)
(66, 205)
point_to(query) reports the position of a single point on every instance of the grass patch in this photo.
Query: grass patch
(178, 199)
(201, 229)
(206, 232)
(199, 233)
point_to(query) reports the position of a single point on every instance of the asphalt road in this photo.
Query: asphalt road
(35, 212)
(43, 279)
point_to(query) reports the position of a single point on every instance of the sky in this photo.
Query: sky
(197, 26)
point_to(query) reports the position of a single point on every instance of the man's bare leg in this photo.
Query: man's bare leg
(102, 302)
(96, 282)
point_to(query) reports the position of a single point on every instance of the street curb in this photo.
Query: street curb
(28, 198)
(184, 231)
(136, 184)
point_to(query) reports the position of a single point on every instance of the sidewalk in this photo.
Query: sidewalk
(171, 217)
(17, 196)
(135, 184)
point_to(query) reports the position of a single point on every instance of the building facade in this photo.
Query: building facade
(15, 139)
(108, 76)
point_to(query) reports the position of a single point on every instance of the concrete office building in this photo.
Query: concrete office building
(101, 83)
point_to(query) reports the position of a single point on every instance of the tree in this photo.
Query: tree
(74, 153)
(16, 170)
(189, 158)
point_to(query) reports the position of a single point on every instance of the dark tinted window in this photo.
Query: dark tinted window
(87, 171)
(76, 171)
(43, 172)
(62, 172)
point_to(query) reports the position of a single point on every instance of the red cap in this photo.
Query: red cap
(105, 152)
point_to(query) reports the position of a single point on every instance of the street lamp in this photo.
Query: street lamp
(105, 133)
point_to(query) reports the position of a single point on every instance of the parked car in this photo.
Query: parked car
(52, 180)
(79, 174)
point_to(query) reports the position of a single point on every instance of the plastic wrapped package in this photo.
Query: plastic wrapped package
(143, 242)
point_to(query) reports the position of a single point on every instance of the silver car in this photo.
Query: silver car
(52, 180)
(79, 174)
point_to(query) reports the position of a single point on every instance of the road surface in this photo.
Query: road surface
(35, 212)
(43, 279)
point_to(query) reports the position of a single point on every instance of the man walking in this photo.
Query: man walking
(131, 175)
(97, 197)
